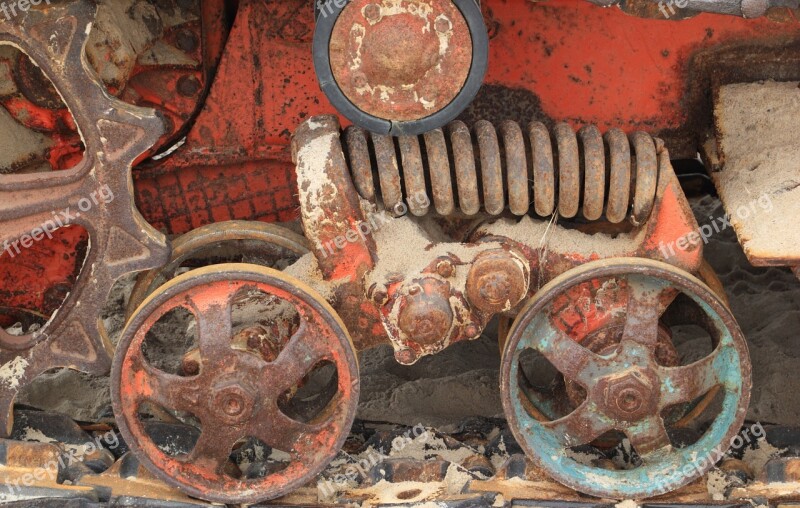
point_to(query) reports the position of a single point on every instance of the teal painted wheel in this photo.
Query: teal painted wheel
(627, 389)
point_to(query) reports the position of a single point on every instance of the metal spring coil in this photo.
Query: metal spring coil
(611, 175)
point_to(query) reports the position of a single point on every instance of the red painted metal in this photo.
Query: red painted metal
(235, 393)
(562, 60)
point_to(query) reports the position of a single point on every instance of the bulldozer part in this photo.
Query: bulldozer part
(628, 389)
(544, 406)
(743, 8)
(235, 393)
(121, 242)
(562, 172)
(539, 57)
(400, 68)
(449, 291)
(252, 242)
(755, 169)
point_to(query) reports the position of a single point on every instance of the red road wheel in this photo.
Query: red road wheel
(236, 394)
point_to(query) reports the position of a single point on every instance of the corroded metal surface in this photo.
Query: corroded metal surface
(447, 292)
(236, 392)
(401, 60)
(96, 195)
(629, 389)
(574, 164)
(253, 242)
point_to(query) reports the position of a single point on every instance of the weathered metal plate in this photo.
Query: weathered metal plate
(759, 150)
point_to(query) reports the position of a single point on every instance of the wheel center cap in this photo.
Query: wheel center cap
(629, 396)
(232, 403)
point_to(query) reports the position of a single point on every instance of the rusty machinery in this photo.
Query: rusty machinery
(394, 261)
(417, 241)
(120, 240)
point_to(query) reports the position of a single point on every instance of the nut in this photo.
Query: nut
(629, 397)
(426, 316)
(497, 281)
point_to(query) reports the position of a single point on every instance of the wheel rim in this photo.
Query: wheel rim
(268, 242)
(544, 410)
(627, 390)
(235, 394)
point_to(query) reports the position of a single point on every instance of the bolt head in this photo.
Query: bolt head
(190, 367)
(472, 331)
(426, 315)
(443, 25)
(232, 403)
(631, 396)
(445, 268)
(372, 12)
(497, 281)
(405, 356)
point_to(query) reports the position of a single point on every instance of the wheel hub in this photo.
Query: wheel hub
(233, 403)
(629, 397)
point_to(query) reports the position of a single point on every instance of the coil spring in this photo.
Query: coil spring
(610, 174)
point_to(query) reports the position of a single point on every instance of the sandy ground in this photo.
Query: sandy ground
(462, 381)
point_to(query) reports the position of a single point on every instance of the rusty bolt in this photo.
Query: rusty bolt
(186, 41)
(443, 25)
(188, 86)
(405, 356)
(359, 80)
(190, 367)
(497, 281)
(445, 268)
(377, 293)
(629, 397)
(372, 12)
(426, 316)
(232, 402)
(472, 330)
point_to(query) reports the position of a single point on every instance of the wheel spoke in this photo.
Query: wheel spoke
(167, 390)
(303, 351)
(569, 357)
(213, 449)
(215, 328)
(279, 431)
(648, 436)
(684, 384)
(582, 426)
(645, 306)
